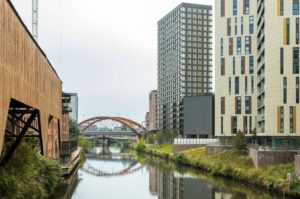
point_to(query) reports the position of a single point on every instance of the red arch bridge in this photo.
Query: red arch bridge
(111, 127)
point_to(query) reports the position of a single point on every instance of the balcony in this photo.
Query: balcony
(260, 78)
(260, 118)
(261, 91)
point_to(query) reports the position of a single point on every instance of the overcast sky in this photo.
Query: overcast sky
(103, 50)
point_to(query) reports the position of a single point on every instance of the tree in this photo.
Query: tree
(240, 142)
(73, 128)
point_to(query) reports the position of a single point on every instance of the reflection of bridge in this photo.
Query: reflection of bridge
(115, 127)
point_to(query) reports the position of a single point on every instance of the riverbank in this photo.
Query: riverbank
(229, 164)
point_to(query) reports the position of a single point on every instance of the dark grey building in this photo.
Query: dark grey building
(184, 60)
(198, 116)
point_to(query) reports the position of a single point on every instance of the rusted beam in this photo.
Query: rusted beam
(19, 138)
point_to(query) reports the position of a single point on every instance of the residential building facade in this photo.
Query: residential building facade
(198, 116)
(235, 72)
(184, 60)
(268, 31)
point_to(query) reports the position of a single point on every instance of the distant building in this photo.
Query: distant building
(74, 106)
(198, 116)
(184, 60)
(153, 111)
(147, 121)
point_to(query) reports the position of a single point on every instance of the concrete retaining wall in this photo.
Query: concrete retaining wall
(183, 147)
(262, 159)
(212, 149)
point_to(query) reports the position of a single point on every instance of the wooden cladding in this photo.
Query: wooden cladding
(228, 26)
(286, 31)
(25, 74)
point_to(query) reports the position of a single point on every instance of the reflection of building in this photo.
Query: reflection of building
(172, 186)
(184, 60)
(74, 106)
(153, 180)
(147, 121)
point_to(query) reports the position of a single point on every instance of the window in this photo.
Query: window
(246, 7)
(248, 104)
(222, 66)
(230, 46)
(245, 124)
(250, 124)
(297, 30)
(222, 125)
(222, 105)
(281, 61)
(296, 60)
(242, 25)
(295, 7)
(235, 25)
(222, 47)
(222, 8)
(239, 44)
(234, 7)
(287, 31)
(251, 25)
(229, 85)
(251, 64)
(252, 84)
(237, 86)
(248, 45)
(281, 8)
(238, 105)
(228, 27)
(281, 119)
(292, 119)
(284, 90)
(297, 90)
(243, 65)
(246, 84)
(233, 124)
(233, 65)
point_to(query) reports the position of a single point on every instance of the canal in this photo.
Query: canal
(112, 173)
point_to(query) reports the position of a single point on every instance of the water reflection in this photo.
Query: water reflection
(120, 174)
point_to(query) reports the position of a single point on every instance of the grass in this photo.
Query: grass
(232, 164)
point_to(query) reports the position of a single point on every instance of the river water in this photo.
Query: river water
(115, 174)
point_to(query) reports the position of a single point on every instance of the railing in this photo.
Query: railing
(195, 141)
(68, 144)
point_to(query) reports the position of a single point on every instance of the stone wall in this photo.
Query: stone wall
(212, 149)
(262, 159)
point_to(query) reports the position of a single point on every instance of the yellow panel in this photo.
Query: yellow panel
(278, 7)
(278, 119)
(294, 119)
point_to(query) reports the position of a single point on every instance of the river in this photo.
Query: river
(118, 174)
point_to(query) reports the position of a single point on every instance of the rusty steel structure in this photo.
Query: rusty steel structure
(137, 128)
(30, 89)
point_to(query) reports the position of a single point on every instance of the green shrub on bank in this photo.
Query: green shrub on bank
(84, 143)
(180, 158)
(29, 175)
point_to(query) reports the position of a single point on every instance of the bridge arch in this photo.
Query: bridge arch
(137, 128)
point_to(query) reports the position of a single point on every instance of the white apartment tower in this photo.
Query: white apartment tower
(268, 31)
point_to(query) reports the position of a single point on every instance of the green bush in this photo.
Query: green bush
(180, 158)
(29, 175)
(240, 142)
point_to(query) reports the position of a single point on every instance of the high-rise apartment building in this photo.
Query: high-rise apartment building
(257, 68)
(184, 60)
(235, 71)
